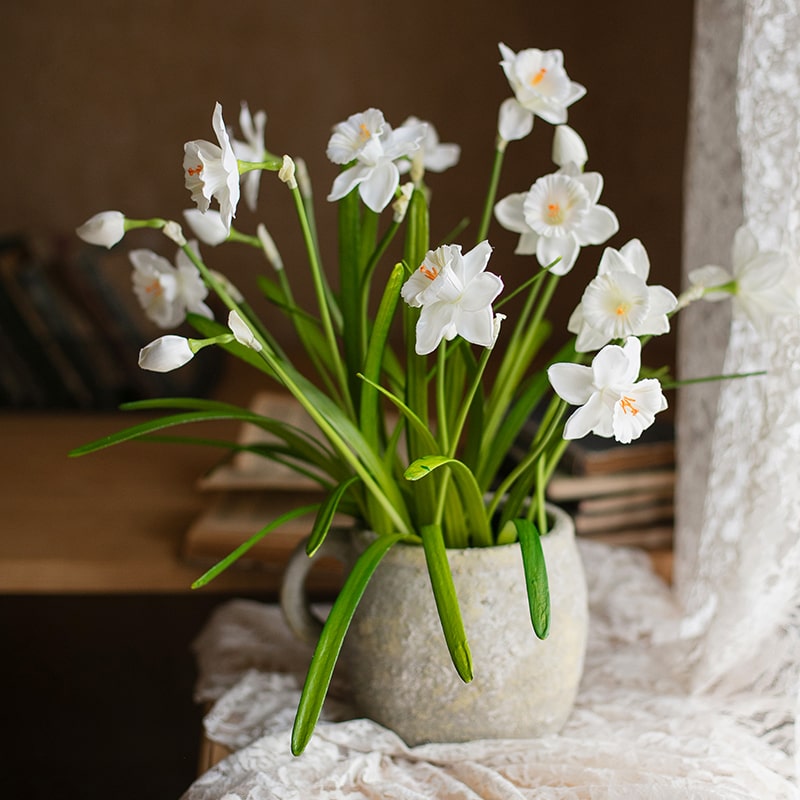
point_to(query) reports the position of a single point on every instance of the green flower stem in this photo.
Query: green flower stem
(711, 378)
(133, 224)
(323, 300)
(517, 359)
(540, 443)
(461, 420)
(441, 397)
(270, 164)
(491, 194)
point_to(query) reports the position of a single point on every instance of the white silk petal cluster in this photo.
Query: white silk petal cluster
(456, 295)
(211, 171)
(167, 292)
(618, 302)
(557, 216)
(612, 401)
(369, 141)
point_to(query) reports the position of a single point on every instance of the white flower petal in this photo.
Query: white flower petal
(208, 226)
(549, 248)
(598, 225)
(509, 213)
(571, 382)
(377, 190)
(568, 147)
(589, 418)
(165, 354)
(513, 121)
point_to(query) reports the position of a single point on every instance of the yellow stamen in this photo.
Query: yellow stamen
(538, 77)
(154, 288)
(628, 404)
(555, 216)
(365, 132)
(195, 170)
(429, 272)
(621, 310)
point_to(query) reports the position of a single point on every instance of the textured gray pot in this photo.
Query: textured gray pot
(399, 667)
(523, 687)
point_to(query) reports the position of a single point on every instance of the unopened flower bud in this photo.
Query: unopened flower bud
(287, 171)
(568, 147)
(400, 205)
(269, 247)
(172, 230)
(165, 354)
(104, 229)
(241, 331)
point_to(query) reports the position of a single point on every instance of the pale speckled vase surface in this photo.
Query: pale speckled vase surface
(399, 667)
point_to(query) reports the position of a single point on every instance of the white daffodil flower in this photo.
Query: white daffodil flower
(619, 303)
(165, 354)
(212, 172)
(242, 332)
(431, 154)
(370, 141)
(758, 284)
(612, 402)
(557, 216)
(105, 229)
(540, 82)
(208, 227)
(251, 149)
(568, 147)
(455, 294)
(165, 292)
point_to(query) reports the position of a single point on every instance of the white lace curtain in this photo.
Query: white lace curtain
(738, 566)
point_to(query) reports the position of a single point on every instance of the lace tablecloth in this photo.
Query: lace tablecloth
(638, 730)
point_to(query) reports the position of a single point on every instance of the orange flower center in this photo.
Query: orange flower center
(538, 77)
(628, 405)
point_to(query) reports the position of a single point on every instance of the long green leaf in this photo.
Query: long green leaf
(444, 592)
(376, 348)
(234, 556)
(471, 495)
(535, 576)
(324, 518)
(330, 641)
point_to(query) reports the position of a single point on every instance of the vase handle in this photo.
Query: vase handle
(294, 600)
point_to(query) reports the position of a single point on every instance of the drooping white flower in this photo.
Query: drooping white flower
(165, 354)
(212, 172)
(431, 154)
(568, 147)
(540, 82)
(251, 149)
(557, 216)
(455, 294)
(612, 401)
(208, 227)
(242, 332)
(758, 284)
(370, 141)
(619, 303)
(167, 292)
(104, 229)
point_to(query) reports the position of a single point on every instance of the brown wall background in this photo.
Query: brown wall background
(98, 99)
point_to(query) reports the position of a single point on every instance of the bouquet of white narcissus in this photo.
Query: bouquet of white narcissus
(413, 442)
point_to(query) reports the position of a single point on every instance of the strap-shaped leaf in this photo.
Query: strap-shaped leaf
(444, 592)
(235, 555)
(324, 518)
(330, 641)
(535, 576)
(470, 492)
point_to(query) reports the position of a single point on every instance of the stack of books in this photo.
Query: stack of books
(71, 329)
(620, 494)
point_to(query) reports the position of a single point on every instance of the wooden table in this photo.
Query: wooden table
(108, 522)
